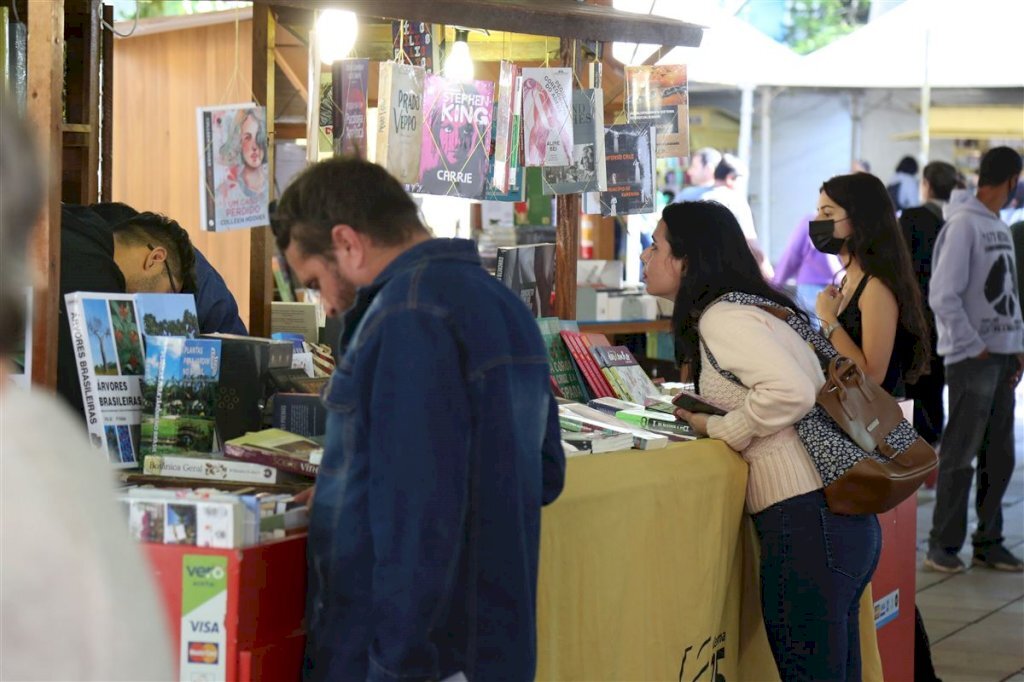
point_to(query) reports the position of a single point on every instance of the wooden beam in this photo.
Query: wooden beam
(262, 241)
(567, 225)
(290, 131)
(44, 108)
(559, 18)
(107, 107)
(92, 182)
(286, 68)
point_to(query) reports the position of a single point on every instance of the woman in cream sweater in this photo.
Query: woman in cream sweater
(814, 564)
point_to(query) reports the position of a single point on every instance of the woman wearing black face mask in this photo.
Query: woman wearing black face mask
(876, 317)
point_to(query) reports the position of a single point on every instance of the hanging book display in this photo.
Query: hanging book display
(587, 172)
(629, 151)
(234, 187)
(415, 43)
(547, 117)
(399, 120)
(456, 138)
(658, 95)
(503, 145)
(350, 78)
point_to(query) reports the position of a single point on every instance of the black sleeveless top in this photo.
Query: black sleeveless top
(902, 349)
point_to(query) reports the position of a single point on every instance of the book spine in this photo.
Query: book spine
(85, 368)
(161, 373)
(600, 163)
(208, 200)
(499, 269)
(657, 425)
(208, 469)
(598, 385)
(587, 344)
(384, 104)
(279, 462)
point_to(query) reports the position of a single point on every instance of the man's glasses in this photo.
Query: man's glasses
(167, 269)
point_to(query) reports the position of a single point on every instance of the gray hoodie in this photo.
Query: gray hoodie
(974, 283)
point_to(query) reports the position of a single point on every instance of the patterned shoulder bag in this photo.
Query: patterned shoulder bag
(868, 456)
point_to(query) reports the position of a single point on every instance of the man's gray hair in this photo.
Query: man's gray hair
(21, 191)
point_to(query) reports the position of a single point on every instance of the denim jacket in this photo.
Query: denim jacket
(442, 446)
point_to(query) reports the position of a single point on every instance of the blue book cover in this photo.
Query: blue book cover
(179, 395)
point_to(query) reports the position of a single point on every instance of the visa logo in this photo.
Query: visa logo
(205, 627)
(212, 572)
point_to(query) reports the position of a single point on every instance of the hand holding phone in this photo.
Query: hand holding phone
(691, 402)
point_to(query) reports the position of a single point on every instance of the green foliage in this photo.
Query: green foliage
(125, 10)
(816, 23)
(188, 325)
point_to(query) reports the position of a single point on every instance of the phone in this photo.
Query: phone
(691, 402)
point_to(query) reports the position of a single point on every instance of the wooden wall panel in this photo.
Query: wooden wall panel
(159, 80)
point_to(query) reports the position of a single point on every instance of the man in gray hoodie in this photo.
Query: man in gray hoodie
(981, 338)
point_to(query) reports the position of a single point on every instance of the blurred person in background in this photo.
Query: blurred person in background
(860, 166)
(728, 174)
(700, 176)
(803, 266)
(77, 601)
(903, 186)
(921, 226)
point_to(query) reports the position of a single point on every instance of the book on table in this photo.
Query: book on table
(281, 449)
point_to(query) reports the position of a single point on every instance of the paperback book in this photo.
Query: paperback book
(234, 180)
(207, 468)
(637, 386)
(529, 271)
(416, 43)
(658, 95)
(350, 79)
(547, 116)
(400, 119)
(587, 172)
(583, 414)
(503, 148)
(179, 394)
(456, 138)
(563, 369)
(629, 165)
(597, 383)
(280, 449)
(107, 342)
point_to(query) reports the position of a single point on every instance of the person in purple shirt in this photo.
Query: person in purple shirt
(809, 268)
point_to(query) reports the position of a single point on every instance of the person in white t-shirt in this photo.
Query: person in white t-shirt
(726, 192)
(77, 601)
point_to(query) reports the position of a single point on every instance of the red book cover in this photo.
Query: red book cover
(581, 354)
(296, 465)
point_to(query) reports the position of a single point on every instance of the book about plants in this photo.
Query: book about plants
(167, 315)
(107, 343)
(456, 138)
(400, 120)
(629, 165)
(547, 117)
(658, 95)
(350, 78)
(180, 395)
(234, 180)
(587, 172)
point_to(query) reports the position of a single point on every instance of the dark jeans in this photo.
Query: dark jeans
(980, 426)
(814, 568)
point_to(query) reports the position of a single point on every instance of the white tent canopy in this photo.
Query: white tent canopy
(935, 43)
(732, 53)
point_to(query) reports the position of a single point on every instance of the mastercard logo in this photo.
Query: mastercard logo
(203, 652)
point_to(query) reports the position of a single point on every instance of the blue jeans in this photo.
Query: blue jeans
(814, 568)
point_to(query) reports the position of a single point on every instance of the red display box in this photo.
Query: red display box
(893, 587)
(266, 592)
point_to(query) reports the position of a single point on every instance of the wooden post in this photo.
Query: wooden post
(45, 89)
(567, 227)
(261, 290)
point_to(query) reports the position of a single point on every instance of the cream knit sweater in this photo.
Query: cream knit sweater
(783, 376)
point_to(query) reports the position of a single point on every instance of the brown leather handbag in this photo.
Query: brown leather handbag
(898, 460)
(868, 456)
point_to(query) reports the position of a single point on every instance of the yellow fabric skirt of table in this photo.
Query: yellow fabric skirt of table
(648, 571)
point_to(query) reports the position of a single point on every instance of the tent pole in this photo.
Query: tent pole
(746, 129)
(926, 104)
(764, 228)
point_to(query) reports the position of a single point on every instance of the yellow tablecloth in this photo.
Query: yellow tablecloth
(648, 572)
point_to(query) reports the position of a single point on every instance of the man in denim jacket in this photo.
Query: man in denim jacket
(442, 443)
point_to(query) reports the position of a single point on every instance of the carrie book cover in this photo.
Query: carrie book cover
(547, 117)
(234, 180)
(400, 119)
(350, 80)
(107, 343)
(629, 159)
(179, 395)
(456, 138)
(658, 95)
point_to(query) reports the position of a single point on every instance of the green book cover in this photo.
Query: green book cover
(563, 369)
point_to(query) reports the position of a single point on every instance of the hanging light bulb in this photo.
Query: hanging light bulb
(458, 65)
(336, 33)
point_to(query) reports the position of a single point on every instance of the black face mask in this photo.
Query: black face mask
(821, 236)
